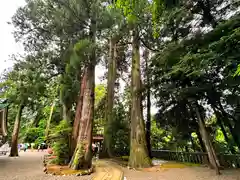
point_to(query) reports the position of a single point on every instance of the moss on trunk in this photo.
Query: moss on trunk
(138, 157)
(75, 130)
(108, 133)
(82, 157)
(138, 148)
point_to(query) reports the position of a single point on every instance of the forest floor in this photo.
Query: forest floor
(29, 166)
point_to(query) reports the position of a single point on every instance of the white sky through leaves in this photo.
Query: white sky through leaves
(8, 46)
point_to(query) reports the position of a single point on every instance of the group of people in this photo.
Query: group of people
(95, 149)
(26, 146)
(23, 147)
(42, 146)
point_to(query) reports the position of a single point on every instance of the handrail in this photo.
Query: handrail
(226, 160)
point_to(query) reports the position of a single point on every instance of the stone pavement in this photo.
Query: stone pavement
(188, 173)
(29, 166)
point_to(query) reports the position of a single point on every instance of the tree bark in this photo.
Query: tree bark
(223, 119)
(76, 123)
(214, 163)
(66, 112)
(14, 143)
(66, 106)
(138, 148)
(220, 123)
(82, 157)
(201, 141)
(227, 122)
(49, 121)
(148, 122)
(112, 72)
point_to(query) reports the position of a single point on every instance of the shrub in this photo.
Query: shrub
(60, 142)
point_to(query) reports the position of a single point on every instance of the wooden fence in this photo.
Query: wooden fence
(226, 160)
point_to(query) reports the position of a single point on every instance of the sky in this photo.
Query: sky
(8, 46)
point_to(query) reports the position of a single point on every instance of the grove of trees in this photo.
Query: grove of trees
(181, 56)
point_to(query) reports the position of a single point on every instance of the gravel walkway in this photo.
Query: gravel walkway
(193, 173)
(28, 167)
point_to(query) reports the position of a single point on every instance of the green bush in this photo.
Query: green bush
(39, 141)
(60, 142)
(36, 134)
(31, 135)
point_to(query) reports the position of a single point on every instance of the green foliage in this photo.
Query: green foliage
(100, 93)
(60, 142)
(32, 134)
(35, 134)
(132, 10)
(100, 98)
(121, 130)
(237, 73)
(198, 68)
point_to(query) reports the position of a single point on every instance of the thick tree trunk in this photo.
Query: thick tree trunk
(227, 123)
(220, 123)
(82, 157)
(223, 119)
(49, 121)
(76, 123)
(66, 112)
(14, 144)
(66, 106)
(232, 131)
(138, 148)
(214, 163)
(200, 141)
(109, 116)
(148, 122)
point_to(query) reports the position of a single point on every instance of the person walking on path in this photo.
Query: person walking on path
(19, 147)
(25, 147)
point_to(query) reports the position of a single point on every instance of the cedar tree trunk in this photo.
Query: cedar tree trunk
(14, 144)
(139, 157)
(109, 116)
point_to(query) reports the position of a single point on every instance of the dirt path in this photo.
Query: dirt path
(28, 167)
(106, 170)
(193, 173)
